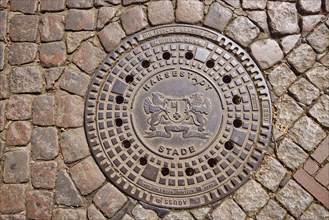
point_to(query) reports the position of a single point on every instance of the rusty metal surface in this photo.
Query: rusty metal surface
(178, 116)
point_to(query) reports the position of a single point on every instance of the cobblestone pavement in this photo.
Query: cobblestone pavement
(49, 51)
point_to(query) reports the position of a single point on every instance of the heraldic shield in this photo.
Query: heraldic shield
(187, 115)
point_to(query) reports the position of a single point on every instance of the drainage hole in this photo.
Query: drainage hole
(227, 79)
(236, 99)
(165, 171)
(119, 99)
(118, 122)
(166, 55)
(145, 63)
(143, 161)
(229, 145)
(129, 79)
(189, 55)
(126, 144)
(212, 162)
(210, 63)
(189, 171)
(237, 123)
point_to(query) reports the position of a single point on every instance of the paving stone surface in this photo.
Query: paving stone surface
(50, 51)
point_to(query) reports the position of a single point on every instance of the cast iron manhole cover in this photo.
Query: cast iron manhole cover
(178, 116)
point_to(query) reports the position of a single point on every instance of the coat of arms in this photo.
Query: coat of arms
(179, 114)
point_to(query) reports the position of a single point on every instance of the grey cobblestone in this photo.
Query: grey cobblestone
(260, 18)
(27, 79)
(3, 105)
(94, 213)
(44, 143)
(4, 87)
(242, 30)
(182, 215)
(304, 91)
(289, 42)
(319, 76)
(201, 213)
(111, 36)
(307, 133)
(309, 22)
(16, 167)
(161, 12)
(109, 199)
(320, 110)
(14, 195)
(80, 3)
(319, 39)
(228, 210)
(281, 77)
(189, 11)
(43, 174)
(40, 204)
(53, 54)
(69, 110)
(74, 82)
(19, 107)
(52, 75)
(3, 25)
(74, 39)
(254, 4)
(28, 7)
(23, 28)
(272, 211)
(60, 213)
(2, 55)
(78, 20)
(22, 53)
(105, 15)
(302, 58)
(291, 154)
(51, 27)
(218, 16)
(294, 198)
(143, 214)
(315, 212)
(51, 5)
(44, 110)
(133, 20)
(307, 6)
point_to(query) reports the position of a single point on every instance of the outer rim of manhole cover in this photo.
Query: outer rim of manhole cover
(178, 116)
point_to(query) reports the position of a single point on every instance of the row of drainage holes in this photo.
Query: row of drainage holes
(237, 123)
(188, 56)
(189, 171)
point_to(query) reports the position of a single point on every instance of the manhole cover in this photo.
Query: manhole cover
(178, 116)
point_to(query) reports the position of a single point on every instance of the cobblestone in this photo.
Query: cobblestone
(44, 110)
(94, 213)
(27, 79)
(133, 20)
(74, 145)
(3, 105)
(44, 143)
(4, 87)
(27, 7)
(19, 133)
(16, 167)
(320, 110)
(271, 173)
(129, 2)
(22, 53)
(74, 39)
(242, 30)
(272, 211)
(182, 215)
(110, 200)
(254, 4)
(309, 22)
(52, 75)
(307, 133)
(254, 190)
(274, 53)
(308, 6)
(2, 55)
(281, 77)
(51, 5)
(87, 176)
(53, 54)
(69, 109)
(51, 28)
(105, 15)
(161, 12)
(291, 154)
(260, 18)
(315, 212)
(201, 213)
(44, 174)
(3, 25)
(218, 16)
(79, 20)
(111, 36)
(319, 76)
(88, 57)
(289, 42)
(319, 39)
(228, 210)
(294, 198)
(304, 91)
(19, 107)
(23, 28)
(12, 198)
(302, 58)
(234, 3)
(143, 214)
(40, 204)
(79, 3)
(60, 213)
(74, 82)
(283, 17)
(189, 11)
(66, 192)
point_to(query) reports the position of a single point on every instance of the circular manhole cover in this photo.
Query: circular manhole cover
(178, 116)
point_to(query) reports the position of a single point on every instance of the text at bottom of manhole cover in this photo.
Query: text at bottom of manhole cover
(178, 116)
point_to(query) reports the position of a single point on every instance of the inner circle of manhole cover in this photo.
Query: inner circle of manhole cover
(178, 116)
